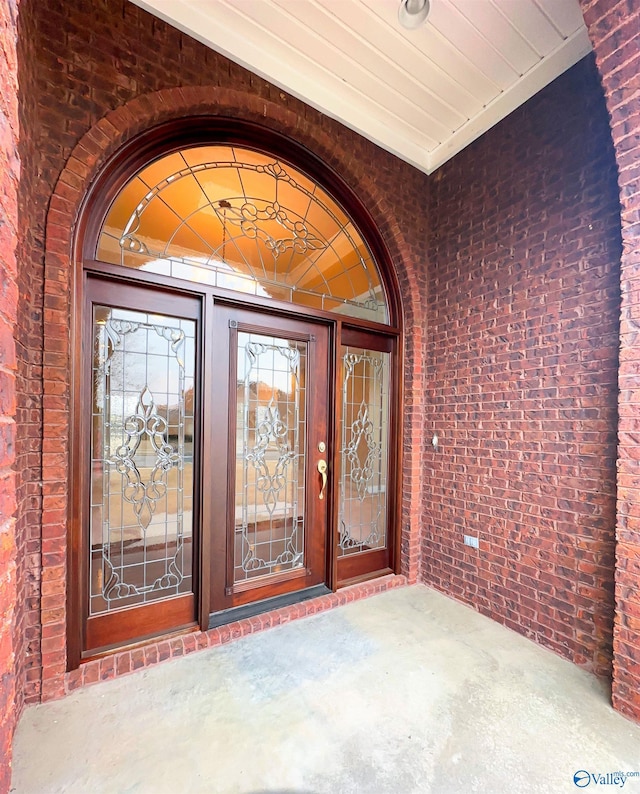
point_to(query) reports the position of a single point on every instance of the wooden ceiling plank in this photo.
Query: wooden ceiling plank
(366, 56)
(564, 15)
(532, 24)
(565, 56)
(424, 54)
(465, 37)
(431, 112)
(230, 34)
(297, 71)
(501, 35)
(423, 94)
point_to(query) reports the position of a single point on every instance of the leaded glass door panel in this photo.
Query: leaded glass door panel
(143, 395)
(272, 384)
(365, 492)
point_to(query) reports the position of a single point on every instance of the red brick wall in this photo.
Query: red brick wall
(509, 221)
(614, 28)
(28, 386)
(521, 369)
(9, 174)
(99, 72)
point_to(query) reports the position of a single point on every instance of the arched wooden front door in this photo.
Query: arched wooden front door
(237, 410)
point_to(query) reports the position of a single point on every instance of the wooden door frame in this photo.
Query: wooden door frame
(209, 301)
(121, 295)
(138, 151)
(366, 565)
(225, 596)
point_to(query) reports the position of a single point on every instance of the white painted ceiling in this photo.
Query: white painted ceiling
(422, 94)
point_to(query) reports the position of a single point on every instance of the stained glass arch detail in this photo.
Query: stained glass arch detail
(238, 219)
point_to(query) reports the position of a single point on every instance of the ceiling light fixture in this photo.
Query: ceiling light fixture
(412, 13)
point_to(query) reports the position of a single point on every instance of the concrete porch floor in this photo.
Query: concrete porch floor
(407, 691)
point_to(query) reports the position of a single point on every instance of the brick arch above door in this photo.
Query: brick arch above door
(91, 153)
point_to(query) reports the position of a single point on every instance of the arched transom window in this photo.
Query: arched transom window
(237, 219)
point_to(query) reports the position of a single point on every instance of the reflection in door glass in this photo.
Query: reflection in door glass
(270, 455)
(141, 458)
(364, 450)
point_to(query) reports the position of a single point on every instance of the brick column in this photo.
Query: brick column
(612, 26)
(9, 174)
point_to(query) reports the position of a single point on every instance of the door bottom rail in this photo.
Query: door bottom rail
(234, 614)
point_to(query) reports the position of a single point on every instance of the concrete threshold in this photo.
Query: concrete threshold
(406, 691)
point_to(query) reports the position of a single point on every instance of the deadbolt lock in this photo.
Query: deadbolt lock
(321, 446)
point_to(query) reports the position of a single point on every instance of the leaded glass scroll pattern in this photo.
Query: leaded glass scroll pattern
(233, 218)
(364, 450)
(270, 455)
(141, 458)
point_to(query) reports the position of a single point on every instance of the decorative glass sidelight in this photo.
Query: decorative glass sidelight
(141, 458)
(241, 220)
(364, 450)
(270, 455)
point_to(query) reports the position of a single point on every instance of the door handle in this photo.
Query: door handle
(323, 468)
